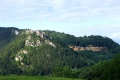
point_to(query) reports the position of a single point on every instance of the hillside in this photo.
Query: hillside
(37, 52)
(105, 70)
(7, 35)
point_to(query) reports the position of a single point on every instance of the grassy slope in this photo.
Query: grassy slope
(33, 78)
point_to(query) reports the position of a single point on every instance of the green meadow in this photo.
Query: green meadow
(34, 78)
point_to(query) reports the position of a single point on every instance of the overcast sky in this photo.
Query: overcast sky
(76, 17)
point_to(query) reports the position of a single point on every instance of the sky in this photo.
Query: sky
(75, 17)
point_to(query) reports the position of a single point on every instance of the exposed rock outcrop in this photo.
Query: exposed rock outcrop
(20, 54)
(50, 43)
(20, 58)
(38, 33)
(16, 32)
(79, 48)
(36, 42)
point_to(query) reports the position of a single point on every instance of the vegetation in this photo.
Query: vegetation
(6, 35)
(66, 39)
(34, 78)
(29, 54)
(105, 70)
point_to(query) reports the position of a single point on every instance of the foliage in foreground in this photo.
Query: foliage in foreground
(106, 70)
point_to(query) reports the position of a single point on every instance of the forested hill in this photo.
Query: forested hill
(66, 39)
(37, 52)
(7, 35)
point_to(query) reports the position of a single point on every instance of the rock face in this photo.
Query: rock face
(50, 43)
(32, 43)
(20, 54)
(79, 48)
(35, 42)
(28, 42)
(16, 32)
(20, 59)
(38, 33)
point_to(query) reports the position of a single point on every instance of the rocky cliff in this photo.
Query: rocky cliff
(93, 48)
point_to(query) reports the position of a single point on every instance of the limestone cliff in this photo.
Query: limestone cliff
(93, 48)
